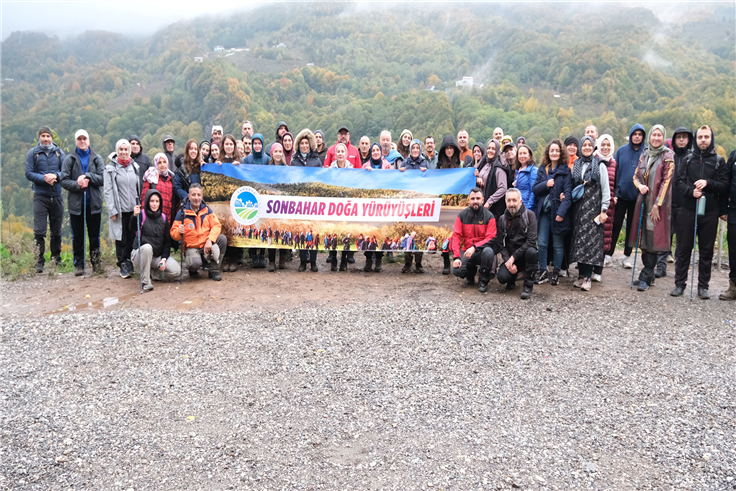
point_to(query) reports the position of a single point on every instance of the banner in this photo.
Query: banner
(343, 209)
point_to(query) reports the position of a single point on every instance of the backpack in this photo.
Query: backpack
(524, 220)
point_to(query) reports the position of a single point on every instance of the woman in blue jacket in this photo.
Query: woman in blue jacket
(554, 179)
(526, 175)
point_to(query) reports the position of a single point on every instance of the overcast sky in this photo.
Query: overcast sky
(132, 17)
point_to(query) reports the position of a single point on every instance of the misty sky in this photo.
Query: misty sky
(131, 17)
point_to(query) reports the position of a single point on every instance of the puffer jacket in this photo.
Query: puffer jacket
(472, 229)
(39, 162)
(525, 179)
(154, 228)
(611, 211)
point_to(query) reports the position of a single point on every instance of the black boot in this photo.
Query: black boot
(446, 259)
(377, 267)
(408, 256)
(368, 263)
(483, 278)
(528, 285)
(282, 258)
(343, 264)
(302, 266)
(313, 264)
(418, 263)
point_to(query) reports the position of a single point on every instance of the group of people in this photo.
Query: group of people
(541, 217)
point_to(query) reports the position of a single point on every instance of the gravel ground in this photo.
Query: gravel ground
(624, 391)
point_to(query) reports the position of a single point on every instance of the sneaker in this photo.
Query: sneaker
(670, 259)
(215, 275)
(642, 286)
(627, 263)
(579, 282)
(660, 272)
(596, 277)
(39, 266)
(78, 271)
(563, 273)
(677, 291)
(482, 287)
(554, 280)
(703, 294)
(148, 287)
(541, 277)
(607, 261)
(586, 286)
(124, 270)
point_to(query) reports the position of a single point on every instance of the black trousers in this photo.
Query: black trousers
(707, 230)
(650, 261)
(731, 231)
(51, 211)
(528, 263)
(469, 266)
(93, 232)
(624, 208)
(124, 247)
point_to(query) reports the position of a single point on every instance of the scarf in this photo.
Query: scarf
(652, 152)
(124, 163)
(484, 161)
(593, 162)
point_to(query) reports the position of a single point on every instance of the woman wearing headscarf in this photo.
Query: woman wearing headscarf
(403, 146)
(526, 174)
(496, 183)
(653, 179)
(122, 193)
(160, 178)
(589, 212)
(554, 180)
(605, 149)
(479, 152)
(188, 173)
(449, 156)
(287, 144)
(376, 160)
(258, 156)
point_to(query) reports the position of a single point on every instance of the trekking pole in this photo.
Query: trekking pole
(695, 238)
(84, 233)
(140, 253)
(636, 251)
(181, 249)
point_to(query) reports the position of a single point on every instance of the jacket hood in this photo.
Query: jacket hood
(690, 138)
(306, 133)
(637, 126)
(708, 151)
(447, 141)
(279, 125)
(147, 204)
(519, 139)
(163, 142)
(418, 143)
(482, 149)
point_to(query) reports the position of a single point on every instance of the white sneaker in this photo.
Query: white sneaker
(670, 259)
(627, 263)
(607, 261)
(586, 285)
(596, 278)
(563, 272)
(579, 282)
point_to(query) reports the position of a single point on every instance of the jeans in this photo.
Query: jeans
(558, 243)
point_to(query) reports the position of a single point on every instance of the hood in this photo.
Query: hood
(163, 142)
(135, 138)
(306, 133)
(418, 143)
(690, 136)
(637, 126)
(708, 151)
(279, 125)
(482, 149)
(258, 136)
(449, 140)
(147, 204)
(520, 138)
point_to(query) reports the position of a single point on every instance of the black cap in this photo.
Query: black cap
(167, 138)
(343, 128)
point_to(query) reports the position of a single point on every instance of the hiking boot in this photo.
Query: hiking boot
(351, 258)
(554, 280)
(729, 294)
(482, 287)
(343, 266)
(271, 267)
(446, 268)
(377, 268)
(368, 265)
(661, 271)
(302, 266)
(677, 291)
(627, 263)
(194, 274)
(703, 294)
(78, 270)
(215, 275)
(313, 265)
(511, 285)
(541, 277)
(39, 266)
(408, 257)
(418, 268)
(470, 280)
(642, 286)
(587, 285)
(526, 294)
(97, 268)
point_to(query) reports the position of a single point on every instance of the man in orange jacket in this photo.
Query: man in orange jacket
(200, 227)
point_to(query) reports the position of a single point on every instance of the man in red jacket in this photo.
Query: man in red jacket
(474, 229)
(343, 136)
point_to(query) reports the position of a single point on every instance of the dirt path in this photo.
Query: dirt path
(259, 290)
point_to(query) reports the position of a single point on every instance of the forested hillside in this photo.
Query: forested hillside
(540, 70)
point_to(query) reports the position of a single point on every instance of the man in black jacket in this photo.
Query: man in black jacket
(142, 159)
(730, 216)
(82, 175)
(704, 175)
(516, 239)
(155, 241)
(43, 168)
(682, 142)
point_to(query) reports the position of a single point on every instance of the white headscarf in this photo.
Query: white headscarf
(608, 137)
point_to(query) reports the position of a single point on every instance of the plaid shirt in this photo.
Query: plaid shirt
(165, 186)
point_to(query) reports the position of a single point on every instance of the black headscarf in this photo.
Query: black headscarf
(150, 214)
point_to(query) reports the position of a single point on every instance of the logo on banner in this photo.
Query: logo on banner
(244, 205)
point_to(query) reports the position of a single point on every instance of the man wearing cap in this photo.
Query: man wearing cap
(217, 137)
(43, 169)
(82, 175)
(174, 161)
(136, 153)
(343, 136)
(508, 149)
